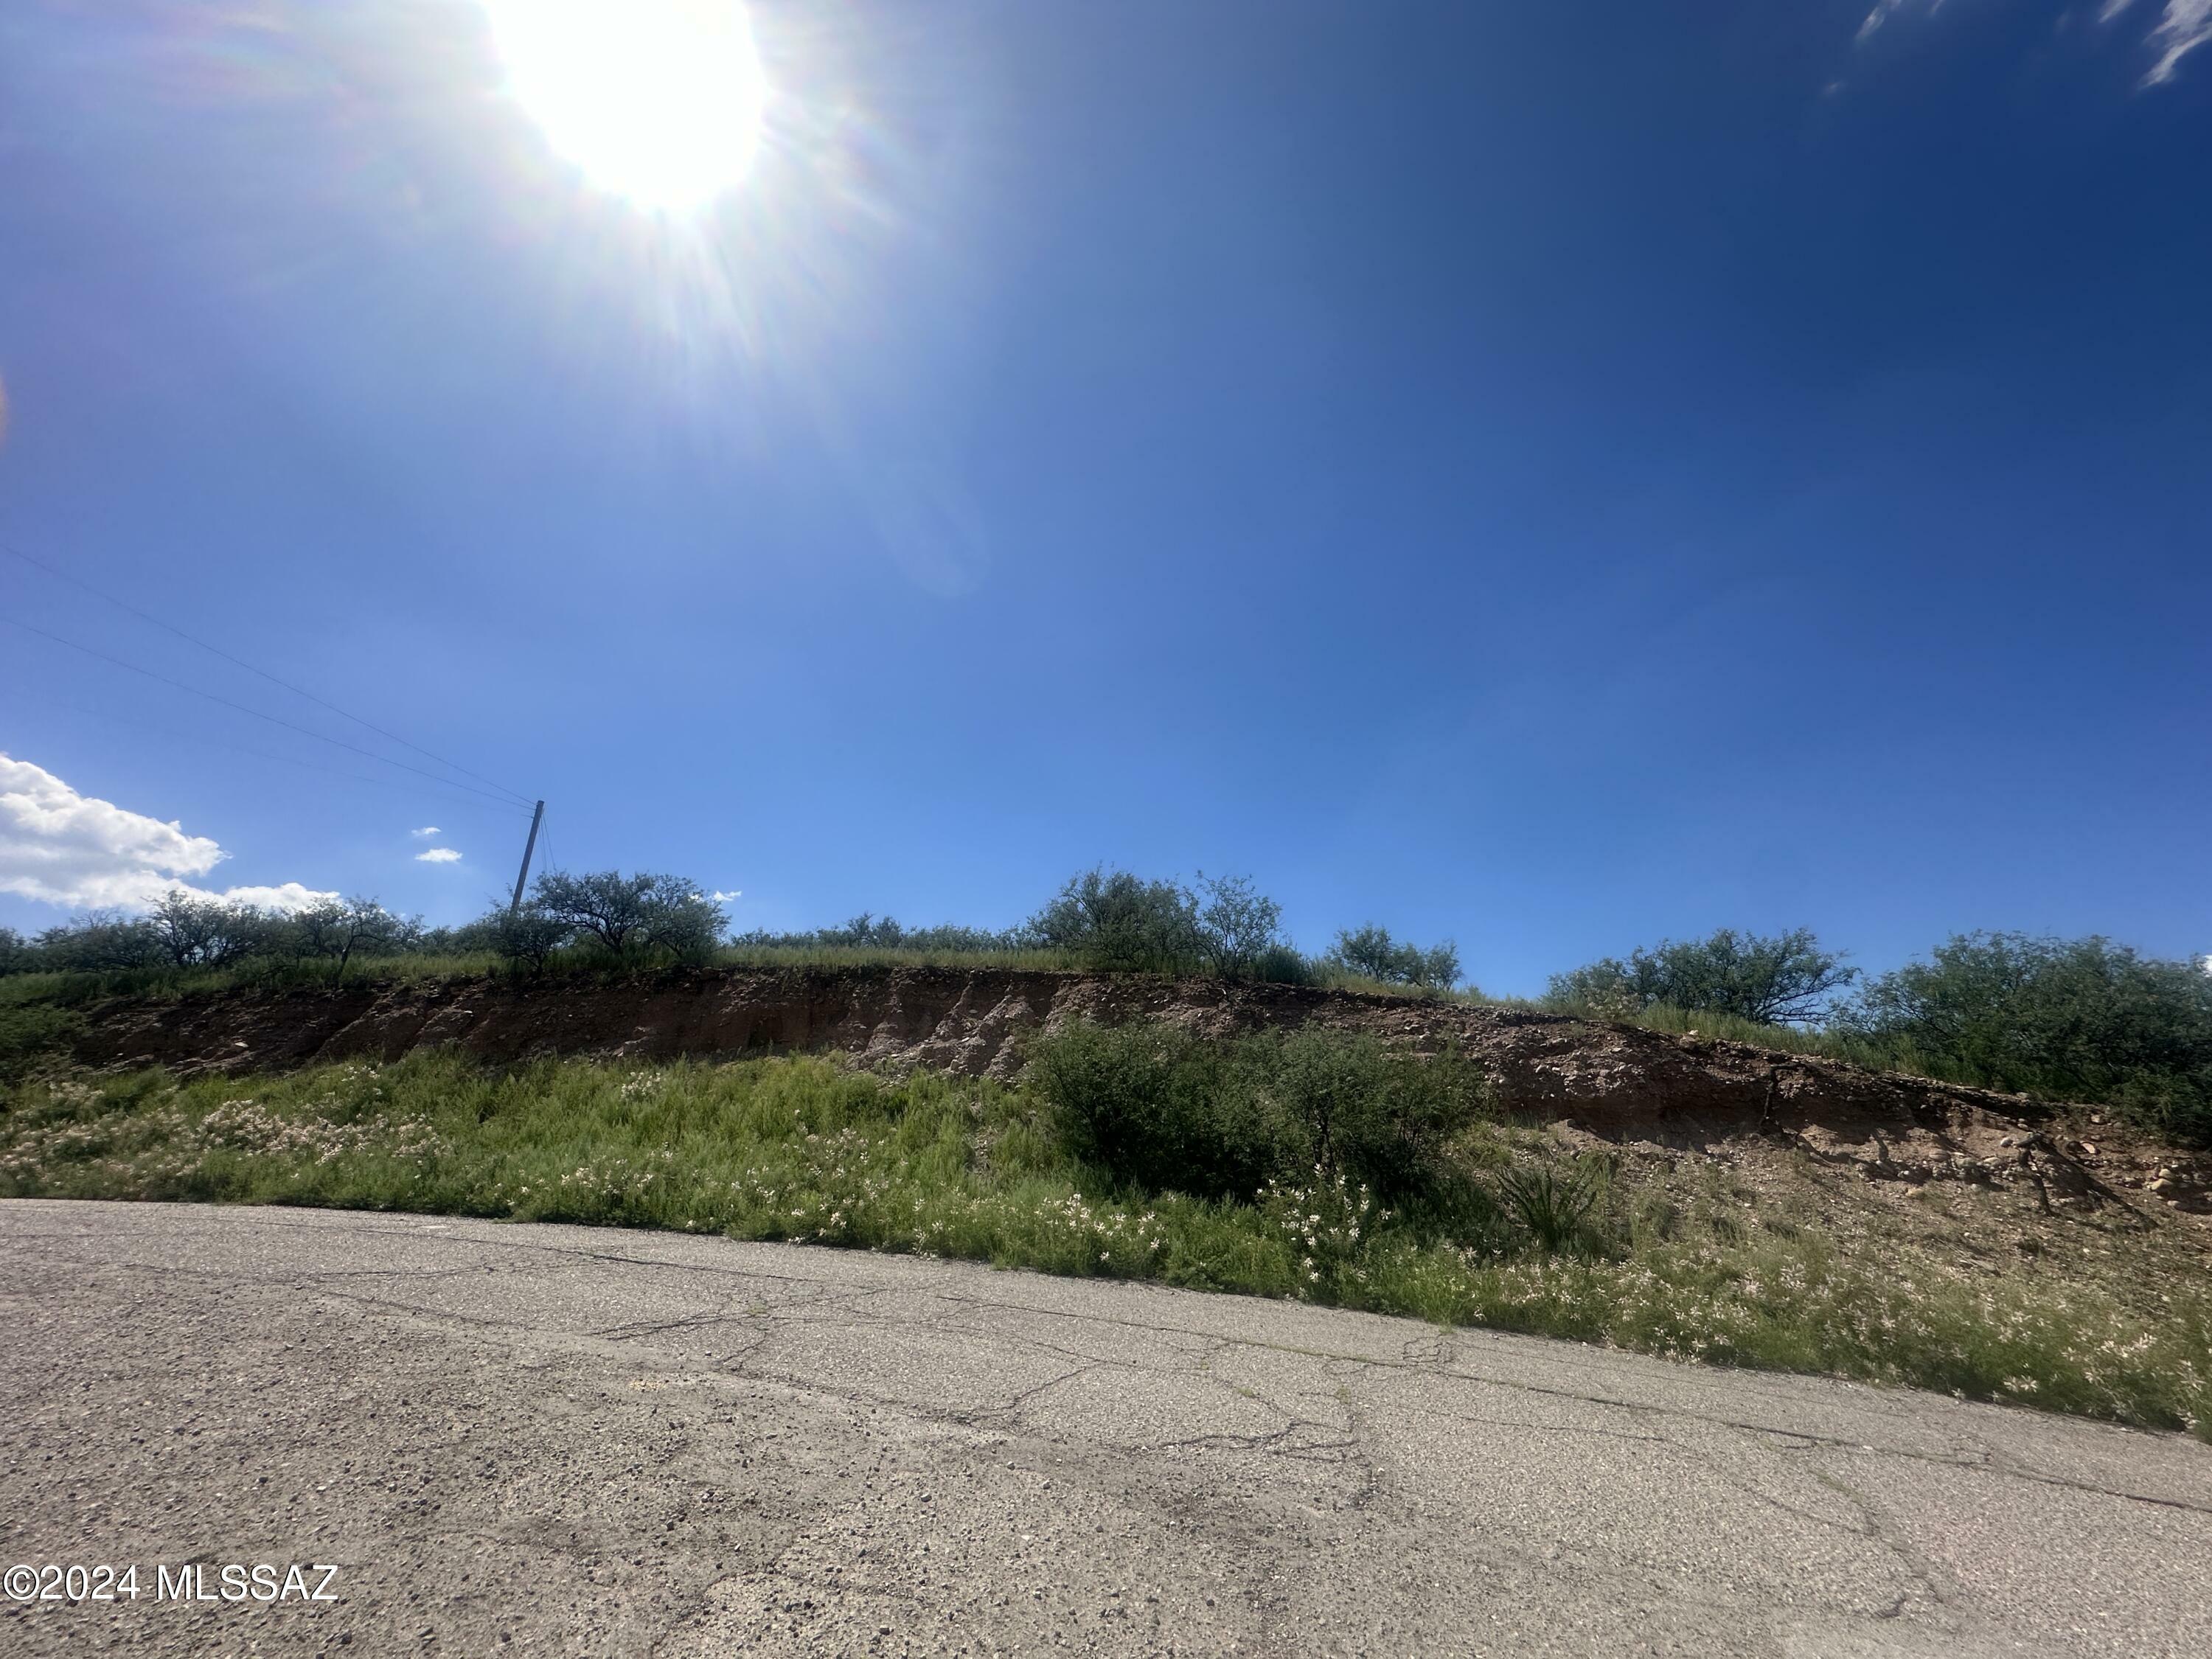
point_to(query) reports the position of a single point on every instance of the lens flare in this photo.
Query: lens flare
(659, 102)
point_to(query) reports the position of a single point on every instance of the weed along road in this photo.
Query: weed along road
(473, 1437)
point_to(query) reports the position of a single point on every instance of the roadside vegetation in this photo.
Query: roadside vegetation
(2084, 1020)
(2074, 1020)
(1316, 1166)
(606, 922)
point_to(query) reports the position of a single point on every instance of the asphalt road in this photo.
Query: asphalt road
(564, 1440)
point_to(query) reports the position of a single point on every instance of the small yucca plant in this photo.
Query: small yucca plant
(1555, 1208)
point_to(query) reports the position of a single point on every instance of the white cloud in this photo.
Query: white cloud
(724, 898)
(425, 832)
(2182, 26)
(2185, 25)
(285, 896)
(439, 855)
(1881, 11)
(60, 847)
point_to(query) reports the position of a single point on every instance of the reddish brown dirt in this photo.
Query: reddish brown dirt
(1618, 1082)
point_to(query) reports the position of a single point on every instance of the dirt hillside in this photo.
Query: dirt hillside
(1618, 1083)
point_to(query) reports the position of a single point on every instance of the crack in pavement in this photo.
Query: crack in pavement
(826, 1293)
(1332, 1480)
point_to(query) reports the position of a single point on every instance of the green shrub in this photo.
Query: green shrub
(1239, 927)
(526, 937)
(632, 917)
(1118, 922)
(30, 1032)
(2073, 1019)
(1372, 953)
(870, 932)
(1770, 980)
(1156, 1107)
(1375, 1114)
(1280, 964)
(194, 931)
(100, 941)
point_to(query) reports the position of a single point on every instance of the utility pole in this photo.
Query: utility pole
(528, 848)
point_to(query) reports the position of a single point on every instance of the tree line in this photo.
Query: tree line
(1107, 919)
(631, 918)
(2077, 1019)
(2082, 1019)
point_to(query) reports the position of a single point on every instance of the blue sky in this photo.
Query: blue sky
(1552, 477)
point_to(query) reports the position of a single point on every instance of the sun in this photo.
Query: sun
(659, 102)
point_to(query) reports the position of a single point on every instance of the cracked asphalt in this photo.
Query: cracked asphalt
(568, 1440)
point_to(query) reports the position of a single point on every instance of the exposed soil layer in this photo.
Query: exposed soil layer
(1616, 1082)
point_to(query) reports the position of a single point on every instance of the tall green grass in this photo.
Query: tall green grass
(808, 1149)
(73, 989)
(573, 966)
(579, 965)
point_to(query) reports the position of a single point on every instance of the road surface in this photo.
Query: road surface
(543, 1439)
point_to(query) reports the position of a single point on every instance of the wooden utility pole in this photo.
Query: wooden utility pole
(528, 848)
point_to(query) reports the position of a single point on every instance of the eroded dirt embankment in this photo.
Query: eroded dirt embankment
(1618, 1082)
(970, 1022)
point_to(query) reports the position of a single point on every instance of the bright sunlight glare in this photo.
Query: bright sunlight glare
(656, 100)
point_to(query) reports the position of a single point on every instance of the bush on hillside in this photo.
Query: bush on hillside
(1119, 922)
(1377, 1114)
(1370, 952)
(98, 942)
(17, 954)
(2071, 1019)
(1283, 964)
(31, 1033)
(184, 932)
(1240, 929)
(194, 931)
(869, 931)
(526, 936)
(1774, 979)
(1160, 1109)
(631, 918)
(336, 931)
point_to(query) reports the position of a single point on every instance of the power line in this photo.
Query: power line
(381, 760)
(63, 575)
(478, 805)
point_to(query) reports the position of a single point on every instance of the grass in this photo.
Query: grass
(71, 989)
(1768, 1263)
(568, 966)
(68, 989)
(24, 1029)
(76, 989)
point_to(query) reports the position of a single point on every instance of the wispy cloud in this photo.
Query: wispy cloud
(2182, 26)
(1881, 11)
(2185, 26)
(439, 855)
(61, 848)
(724, 898)
(425, 832)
